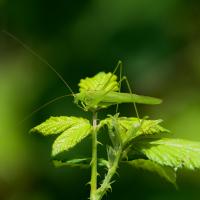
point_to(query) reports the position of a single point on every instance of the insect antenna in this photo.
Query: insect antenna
(43, 106)
(39, 58)
(119, 64)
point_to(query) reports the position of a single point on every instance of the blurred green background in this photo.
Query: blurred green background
(159, 44)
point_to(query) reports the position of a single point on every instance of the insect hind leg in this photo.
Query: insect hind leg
(124, 78)
(120, 66)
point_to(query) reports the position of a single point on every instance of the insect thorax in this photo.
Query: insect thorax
(89, 100)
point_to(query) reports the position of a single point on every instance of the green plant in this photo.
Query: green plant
(141, 143)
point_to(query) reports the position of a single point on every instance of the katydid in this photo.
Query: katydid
(98, 99)
(106, 92)
(99, 94)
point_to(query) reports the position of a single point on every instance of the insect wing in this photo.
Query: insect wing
(116, 97)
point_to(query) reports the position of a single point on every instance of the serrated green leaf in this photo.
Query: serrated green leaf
(176, 153)
(79, 162)
(70, 137)
(102, 81)
(166, 172)
(145, 127)
(130, 128)
(55, 125)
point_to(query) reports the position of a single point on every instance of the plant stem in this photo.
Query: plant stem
(93, 181)
(106, 185)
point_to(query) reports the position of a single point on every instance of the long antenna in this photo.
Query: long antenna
(43, 106)
(39, 57)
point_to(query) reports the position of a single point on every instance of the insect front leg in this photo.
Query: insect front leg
(101, 97)
(84, 107)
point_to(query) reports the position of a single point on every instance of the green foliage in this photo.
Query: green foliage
(55, 125)
(176, 153)
(72, 130)
(101, 81)
(131, 127)
(166, 172)
(70, 137)
(138, 142)
(79, 162)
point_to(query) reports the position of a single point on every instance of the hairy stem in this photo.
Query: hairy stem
(106, 184)
(93, 181)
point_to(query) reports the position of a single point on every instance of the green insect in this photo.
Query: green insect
(97, 92)
(103, 90)
(97, 100)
